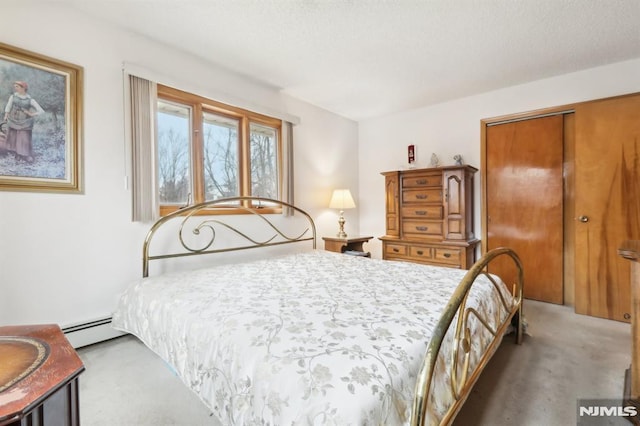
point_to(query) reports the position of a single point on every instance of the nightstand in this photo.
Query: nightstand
(347, 245)
(39, 372)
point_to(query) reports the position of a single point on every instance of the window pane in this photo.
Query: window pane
(174, 175)
(264, 161)
(220, 156)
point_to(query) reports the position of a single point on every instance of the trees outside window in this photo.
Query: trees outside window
(207, 151)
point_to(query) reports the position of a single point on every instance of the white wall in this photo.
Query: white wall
(65, 258)
(454, 128)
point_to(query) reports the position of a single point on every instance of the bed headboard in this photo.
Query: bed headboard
(255, 229)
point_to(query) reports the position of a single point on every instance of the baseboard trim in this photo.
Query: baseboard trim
(90, 332)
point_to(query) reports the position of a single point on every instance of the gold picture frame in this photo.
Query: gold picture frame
(40, 122)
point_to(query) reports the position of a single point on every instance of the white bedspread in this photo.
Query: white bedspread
(315, 338)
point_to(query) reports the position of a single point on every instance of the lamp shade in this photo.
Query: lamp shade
(342, 199)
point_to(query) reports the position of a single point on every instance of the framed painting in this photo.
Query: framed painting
(40, 122)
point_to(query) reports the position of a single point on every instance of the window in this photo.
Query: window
(208, 150)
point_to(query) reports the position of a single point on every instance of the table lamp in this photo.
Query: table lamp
(341, 199)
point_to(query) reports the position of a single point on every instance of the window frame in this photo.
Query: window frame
(200, 104)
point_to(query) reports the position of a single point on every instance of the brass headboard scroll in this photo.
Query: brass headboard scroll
(209, 216)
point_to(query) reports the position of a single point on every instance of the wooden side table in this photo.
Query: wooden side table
(39, 372)
(341, 245)
(631, 250)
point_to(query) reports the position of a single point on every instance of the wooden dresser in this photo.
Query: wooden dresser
(429, 216)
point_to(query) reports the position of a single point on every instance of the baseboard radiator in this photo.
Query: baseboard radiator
(88, 333)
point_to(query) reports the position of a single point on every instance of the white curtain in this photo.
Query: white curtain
(287, 166)
(143, 156)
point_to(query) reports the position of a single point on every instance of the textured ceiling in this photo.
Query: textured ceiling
(366, 58)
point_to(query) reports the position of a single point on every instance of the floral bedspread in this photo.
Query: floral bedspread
(314, 338)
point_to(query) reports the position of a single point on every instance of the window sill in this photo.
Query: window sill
(222, 210)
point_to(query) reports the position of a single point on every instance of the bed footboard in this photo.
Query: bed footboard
(462, 379)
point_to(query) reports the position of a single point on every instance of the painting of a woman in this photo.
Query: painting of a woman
(40, 122)
(20, 113)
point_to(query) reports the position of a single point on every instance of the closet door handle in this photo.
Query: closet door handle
(583, 218)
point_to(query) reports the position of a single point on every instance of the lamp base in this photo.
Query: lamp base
(341, 221)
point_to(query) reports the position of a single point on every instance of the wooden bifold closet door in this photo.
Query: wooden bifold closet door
(607, 203)
(524, 201)
(593, 150)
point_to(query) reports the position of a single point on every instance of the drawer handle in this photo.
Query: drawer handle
(422, 228)
(421, 212)
(395, 250)
(421, 182)
(420, 252)
(447, 255)
(422, 196)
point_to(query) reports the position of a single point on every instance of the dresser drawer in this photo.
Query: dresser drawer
(421, 180)
(422, 212)
(427, 195)
(395, 249)
(420, 252)
(448, 255)
(421, 229)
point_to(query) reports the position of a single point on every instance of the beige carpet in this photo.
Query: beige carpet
(565, 357)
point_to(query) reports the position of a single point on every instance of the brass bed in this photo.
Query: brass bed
(452, 349)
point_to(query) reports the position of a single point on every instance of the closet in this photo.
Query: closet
(524, 194)
(562, 187)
